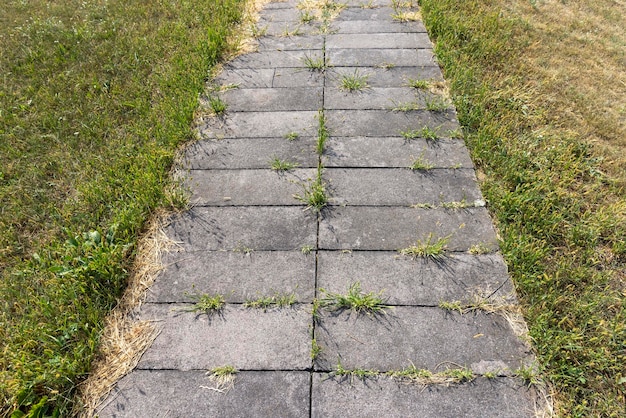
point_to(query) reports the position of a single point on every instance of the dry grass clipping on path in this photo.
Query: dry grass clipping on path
(124, 339)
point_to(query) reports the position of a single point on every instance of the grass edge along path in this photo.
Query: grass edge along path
(562, 220)
(102, 95)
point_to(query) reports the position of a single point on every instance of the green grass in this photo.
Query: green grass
(282, 165)
(426, 133)
(421, 164)
(355, 300)
(277, 300)
(314, 63)
(419, 84)
(354, 81)
(95, 99)
(430, 248)
(314, 193)
(208, 304)
(550, 150)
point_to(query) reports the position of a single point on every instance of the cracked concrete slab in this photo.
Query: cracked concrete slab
(375, 397)
(408, 281)
(384, 77)
(400, 186)
(173, 393)
(248, 338)
(394, 228)
(273, 59)
(230, 228)
(428, 338)
(395, 152)
(374, 98)
(235, 153)
(247, 187)
(269, 77)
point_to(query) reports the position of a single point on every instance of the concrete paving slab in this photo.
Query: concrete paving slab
(372, 26)
(273, 99)
(273, 59)
(290, 43)
(385, 77)
(394, 228)
(259, 125)
(380, 123)
(172, 393)
(366, 3)
(281, 4)
(246, 338)
(374, 98)
(379, 57)
(485, 398)
(290, 14)
(402, 40)
(428, 338)
(236, 275)
(256, 228)
(395, 152)
(269, 77)
(380, 14)
(408, 281)
(236, 153)
(247, 187)
(289, 28)
(400, 187)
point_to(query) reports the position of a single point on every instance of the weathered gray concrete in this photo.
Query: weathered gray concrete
(496, 398)
(394, 228)
(382, 123)
(384, 77)
(273, 99)
(260, 125)
(246, 237)
(378, 57)
(173, 393)
(235, 153)
(424, 337)
(247, 187)
(407, 281)
(237, 275)
(400, 186)
(395, 152)
(231, 228)
(249, 338)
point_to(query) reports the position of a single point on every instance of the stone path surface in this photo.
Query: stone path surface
(247, 237)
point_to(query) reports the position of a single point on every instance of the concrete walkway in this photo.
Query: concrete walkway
(247, 237)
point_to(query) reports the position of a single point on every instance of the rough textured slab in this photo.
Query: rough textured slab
(408, 281)
(273, 99)
(381, 123)
(377, 98)
(425, 337)
(384, 77)
(236, 275)
(247, 187)
(393, 228)
(291, 43)
(400, 187)
(380, 57)
(291, 14)
(257, 228)
(235, 153)
(259, 125)
(380, 14)
(497, 398)
(395, 152)
(366, 3)
(246, 338)
(378, 40)
(289, 28)
(369, 26)
(273, 59)
(269, 77)
(172, 393)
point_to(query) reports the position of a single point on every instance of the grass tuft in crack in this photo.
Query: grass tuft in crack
(430, 248)
(354, 300)
(281, 165)
(206, 303)
(426, 132)
(278, 300)
(354, 81)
